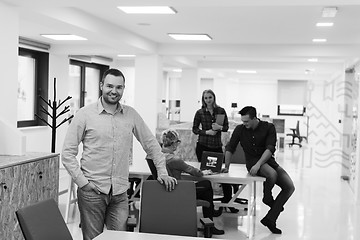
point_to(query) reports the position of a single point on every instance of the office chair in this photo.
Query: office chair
(199, 202)
(239, 158)
(173, 212)
(43, 221)
(296, 135)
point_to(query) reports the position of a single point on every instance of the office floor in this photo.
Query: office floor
(322, 206)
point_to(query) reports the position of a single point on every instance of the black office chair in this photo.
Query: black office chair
(43, 221)
(199, 202)
(296, 135)
(171, 212)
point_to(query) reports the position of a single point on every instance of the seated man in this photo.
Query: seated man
(175, 165)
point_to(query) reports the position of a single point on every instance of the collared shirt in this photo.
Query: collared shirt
(107, 141)
(254, 142)
(176, 166)
(206, 119)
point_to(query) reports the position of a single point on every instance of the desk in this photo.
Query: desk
(238, 174)
(115, 235)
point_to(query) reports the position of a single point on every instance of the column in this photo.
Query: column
(9, 42)
(190, 95)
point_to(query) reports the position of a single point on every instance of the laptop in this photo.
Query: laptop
(212, 161)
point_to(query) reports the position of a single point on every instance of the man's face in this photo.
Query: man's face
(112, 89)
(248, 122)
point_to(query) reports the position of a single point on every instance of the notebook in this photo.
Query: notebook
(220, 119)
(211, 161)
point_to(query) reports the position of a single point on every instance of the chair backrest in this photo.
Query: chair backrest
(239, 155)
(152, 168)
(164, 212)
(298, 128)
(43, 221)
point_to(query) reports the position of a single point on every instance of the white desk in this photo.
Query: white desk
(116, 235)
(238, 174)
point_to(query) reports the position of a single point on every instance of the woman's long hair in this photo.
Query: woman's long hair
(203, 101)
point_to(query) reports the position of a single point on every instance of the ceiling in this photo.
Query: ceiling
(272, 37)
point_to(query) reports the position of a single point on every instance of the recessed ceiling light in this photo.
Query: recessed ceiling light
(147, 9)
(319, 40)
(196, 37)
(63, 37)
(246, 71)
(324, 24)
(329, 12)
(177, 70)
(126, 55)
(312, 60)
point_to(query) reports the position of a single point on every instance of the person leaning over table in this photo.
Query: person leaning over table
(106, 130)
(258, 139)
(176, 165)
(209, 138)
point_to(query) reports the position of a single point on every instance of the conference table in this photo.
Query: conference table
(237, 174)
(122, 235)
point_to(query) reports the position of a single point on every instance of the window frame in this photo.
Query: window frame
(41, 85)
(83, 65)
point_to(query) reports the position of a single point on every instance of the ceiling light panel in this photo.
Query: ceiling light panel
(190, 37)
(147, 9)
(324, 24)
(319, 40)
(64, 37)
(246, 71)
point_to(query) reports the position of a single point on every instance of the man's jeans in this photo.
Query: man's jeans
(97, 210)
(279, 177)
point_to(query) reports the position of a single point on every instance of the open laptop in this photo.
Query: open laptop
(212, 161)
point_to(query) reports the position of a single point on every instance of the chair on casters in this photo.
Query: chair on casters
(43, 221)
(199, 202)
(173, 212)
(296, 135)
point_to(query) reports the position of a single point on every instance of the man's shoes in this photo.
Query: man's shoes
(216, 231)
(217, 213)
(270, 225)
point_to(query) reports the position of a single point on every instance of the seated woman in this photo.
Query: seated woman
(176, 165)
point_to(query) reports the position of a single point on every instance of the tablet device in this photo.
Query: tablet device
(220, 119)
(212, 161)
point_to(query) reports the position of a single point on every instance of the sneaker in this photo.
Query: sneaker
(216, 231)
(217, 213)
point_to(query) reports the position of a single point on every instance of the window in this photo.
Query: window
(33, 70)
(84, 79)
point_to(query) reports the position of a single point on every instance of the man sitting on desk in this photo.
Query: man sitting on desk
(258, 139)
(175, 165)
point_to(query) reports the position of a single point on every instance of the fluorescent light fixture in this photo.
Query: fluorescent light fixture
(329, 12)
(319, 40)
(63, 37)
(187, 37)
(177, 70)
(126, 55)
(147, 9)
(312, 60)
(246, 71)
(324, 24)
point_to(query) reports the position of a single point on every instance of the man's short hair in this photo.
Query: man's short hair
(169, 137)
(248, 110)
(113, 71)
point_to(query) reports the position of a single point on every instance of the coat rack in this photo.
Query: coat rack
(54, 116)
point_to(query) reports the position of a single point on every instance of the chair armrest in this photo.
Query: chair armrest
(208, 225)
(202, 203)
(131, 223)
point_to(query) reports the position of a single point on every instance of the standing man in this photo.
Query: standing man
(106, 130)
(258, 139)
